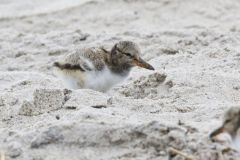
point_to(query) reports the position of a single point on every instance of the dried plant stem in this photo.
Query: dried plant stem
(175, 151)
(2, 156)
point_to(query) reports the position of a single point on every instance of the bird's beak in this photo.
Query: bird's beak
(141, 63)
(217, 132)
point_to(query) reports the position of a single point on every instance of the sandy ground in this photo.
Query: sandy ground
(194, 46)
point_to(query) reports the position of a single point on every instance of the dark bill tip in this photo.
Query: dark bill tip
(150, 67)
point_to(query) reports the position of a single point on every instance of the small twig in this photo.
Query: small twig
(2, 156)
(99, 106)
(175, 151)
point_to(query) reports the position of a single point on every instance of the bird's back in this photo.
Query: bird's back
(87, 58)
(86, 68)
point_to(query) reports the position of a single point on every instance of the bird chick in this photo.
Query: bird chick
(231, 123)
(99, 69)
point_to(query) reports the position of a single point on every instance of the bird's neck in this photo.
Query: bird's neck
(120, 69)
(117, 67)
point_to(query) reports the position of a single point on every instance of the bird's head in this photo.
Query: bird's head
(231, 123)
(128, 53)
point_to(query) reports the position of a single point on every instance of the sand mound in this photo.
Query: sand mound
(144, 86)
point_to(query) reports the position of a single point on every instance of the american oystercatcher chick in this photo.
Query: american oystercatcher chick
(231, 123)
(99, 69)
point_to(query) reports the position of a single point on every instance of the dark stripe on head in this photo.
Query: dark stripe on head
(104, 50)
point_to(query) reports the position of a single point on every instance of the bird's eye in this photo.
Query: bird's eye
(128, 54)
(227, 121)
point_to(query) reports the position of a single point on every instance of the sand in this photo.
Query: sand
(193, 45)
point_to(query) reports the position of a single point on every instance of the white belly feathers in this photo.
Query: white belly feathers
(101, 80)
(98, 80)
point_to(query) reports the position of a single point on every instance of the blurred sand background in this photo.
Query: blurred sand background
(193, 45)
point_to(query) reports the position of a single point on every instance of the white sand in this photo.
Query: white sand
(194, 46)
